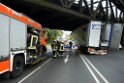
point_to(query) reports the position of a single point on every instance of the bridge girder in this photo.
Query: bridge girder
(66, 14)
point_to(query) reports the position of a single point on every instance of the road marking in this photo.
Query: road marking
(66, 59)
(34, 71)
(92, 73)
(104, 79)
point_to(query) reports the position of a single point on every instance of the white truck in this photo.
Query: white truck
(97, 36)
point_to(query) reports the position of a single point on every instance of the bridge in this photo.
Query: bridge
(74, 66)
(68, 14)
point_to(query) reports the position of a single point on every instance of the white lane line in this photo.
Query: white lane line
(66, 59)
(104, 79)
(34, 71)
(92, 73)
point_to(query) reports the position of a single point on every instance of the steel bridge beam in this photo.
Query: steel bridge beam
(57, 8)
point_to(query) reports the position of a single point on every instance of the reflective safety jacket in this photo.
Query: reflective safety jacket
(61, 47)
(54, 47)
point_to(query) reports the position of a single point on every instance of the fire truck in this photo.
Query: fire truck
(21, 42)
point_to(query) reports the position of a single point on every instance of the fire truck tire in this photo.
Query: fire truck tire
(18, 66)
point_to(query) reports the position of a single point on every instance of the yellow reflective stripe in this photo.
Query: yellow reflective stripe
(32, 39)
(32, 48)
(62, 48)
(54, 47)
(30, 56)
(35, 56)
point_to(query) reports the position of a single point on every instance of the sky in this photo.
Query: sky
(66, 33)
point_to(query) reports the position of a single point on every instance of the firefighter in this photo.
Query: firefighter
(54, 48)
(61, 49)
(58, 49)
(70, 44)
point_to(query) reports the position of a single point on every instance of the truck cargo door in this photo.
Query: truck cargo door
(4, 36)
(95, 32)
(106, 35)
(18, 34)
(116, 36)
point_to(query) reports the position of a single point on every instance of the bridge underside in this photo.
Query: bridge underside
(65, 14)
(60, 19)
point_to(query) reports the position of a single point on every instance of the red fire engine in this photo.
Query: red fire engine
(21, 41)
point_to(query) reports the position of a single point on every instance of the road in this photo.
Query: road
(75, 67)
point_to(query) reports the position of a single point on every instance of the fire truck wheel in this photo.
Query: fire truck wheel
(18, 66)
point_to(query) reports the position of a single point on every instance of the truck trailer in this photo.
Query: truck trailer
(92, 36)
(21, 41)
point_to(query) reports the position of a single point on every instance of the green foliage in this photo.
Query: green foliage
(69, 37)
(52, 34)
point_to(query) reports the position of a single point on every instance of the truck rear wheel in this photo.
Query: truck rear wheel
(18, 66)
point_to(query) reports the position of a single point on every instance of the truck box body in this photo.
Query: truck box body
(81, 35)
(13, 35)
(95, 34)
(106, 33)
(92, 34)
(116, 36)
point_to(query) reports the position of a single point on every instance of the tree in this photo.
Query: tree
(52, 34)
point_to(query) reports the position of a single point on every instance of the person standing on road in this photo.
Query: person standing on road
(61, 49)
(54, 48)
(58, 49)
(70, 44)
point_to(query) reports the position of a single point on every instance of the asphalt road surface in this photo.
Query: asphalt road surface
(75, 67)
